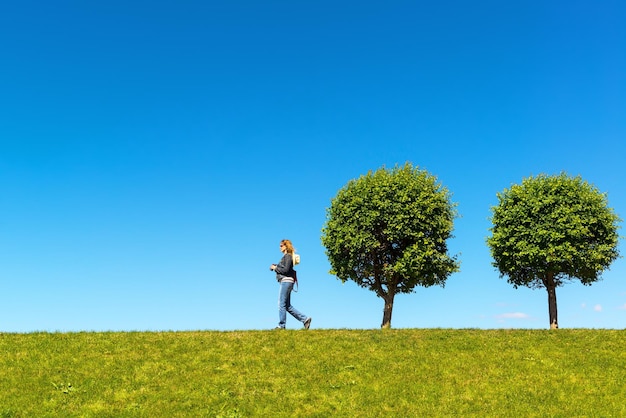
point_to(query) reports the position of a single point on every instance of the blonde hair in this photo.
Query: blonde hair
(288, 246)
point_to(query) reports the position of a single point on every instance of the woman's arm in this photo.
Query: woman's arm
(285, 266)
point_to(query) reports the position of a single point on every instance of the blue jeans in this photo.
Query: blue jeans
(284, 305)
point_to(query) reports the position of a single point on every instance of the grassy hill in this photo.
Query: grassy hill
(318, 373)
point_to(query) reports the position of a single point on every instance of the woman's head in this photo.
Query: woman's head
(286, 246)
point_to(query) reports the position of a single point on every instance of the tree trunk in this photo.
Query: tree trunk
(388, 298)
(551, 288)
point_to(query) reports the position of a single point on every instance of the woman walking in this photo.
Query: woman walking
(285, 275)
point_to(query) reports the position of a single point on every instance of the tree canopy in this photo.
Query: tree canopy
(552, 229)
(387, 231)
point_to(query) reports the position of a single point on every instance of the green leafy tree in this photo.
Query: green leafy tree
(387, 232)
(550, 230)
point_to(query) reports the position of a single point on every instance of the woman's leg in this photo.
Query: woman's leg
(283, 302)
(293, 311)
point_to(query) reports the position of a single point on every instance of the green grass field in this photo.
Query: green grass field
(318, 373)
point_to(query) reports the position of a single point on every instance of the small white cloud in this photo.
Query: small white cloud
(623, 307)
(583, 305)
(597, 308)
(512, 315)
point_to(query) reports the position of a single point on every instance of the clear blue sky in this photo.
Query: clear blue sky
(154, 153)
